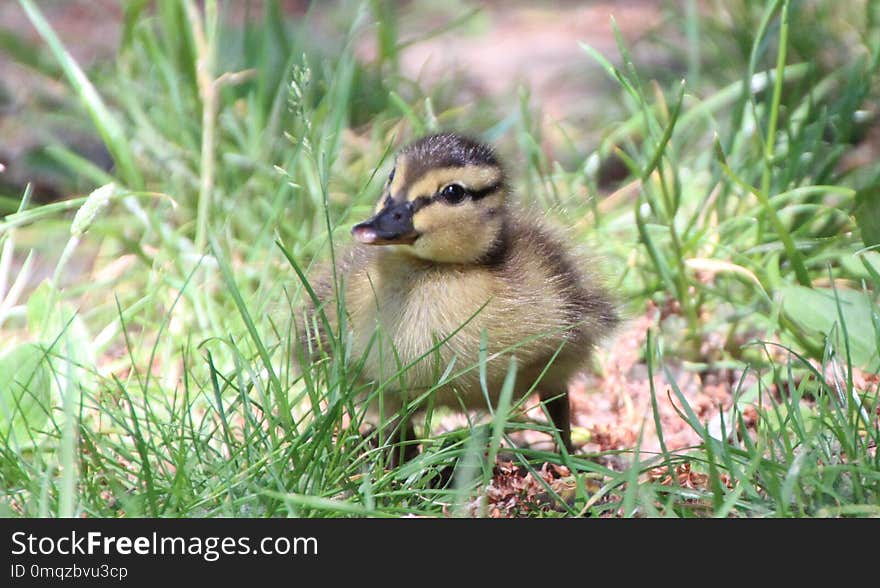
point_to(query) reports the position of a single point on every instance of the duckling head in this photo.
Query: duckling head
(444, 201)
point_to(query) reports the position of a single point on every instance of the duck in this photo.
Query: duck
(451, 268)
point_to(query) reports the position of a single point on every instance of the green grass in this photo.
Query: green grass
(149, 324)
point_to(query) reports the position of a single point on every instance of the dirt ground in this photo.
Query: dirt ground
(512, 43)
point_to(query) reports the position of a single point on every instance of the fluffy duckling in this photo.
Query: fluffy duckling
(447, 257)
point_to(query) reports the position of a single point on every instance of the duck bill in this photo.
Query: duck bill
(392, 226)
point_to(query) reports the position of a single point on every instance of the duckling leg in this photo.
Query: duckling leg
(560, 414)
(403, 444)
(399, 448)
(399, 435)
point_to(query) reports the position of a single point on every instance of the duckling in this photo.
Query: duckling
(448, 257)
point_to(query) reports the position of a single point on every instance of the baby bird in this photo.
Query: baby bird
(446, 260)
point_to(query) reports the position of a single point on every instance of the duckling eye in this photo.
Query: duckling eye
(453, 193)
(391, 175)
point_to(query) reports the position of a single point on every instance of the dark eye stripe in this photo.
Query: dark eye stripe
(423, 201)
(482, 193)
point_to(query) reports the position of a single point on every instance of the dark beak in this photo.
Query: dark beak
(392, 226)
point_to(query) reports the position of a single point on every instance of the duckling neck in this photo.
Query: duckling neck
(500, 248)
(495, 254)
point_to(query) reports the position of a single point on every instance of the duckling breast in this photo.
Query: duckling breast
(406, 312)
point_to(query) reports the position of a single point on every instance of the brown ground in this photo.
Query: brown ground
(533, 43)
(512, 43)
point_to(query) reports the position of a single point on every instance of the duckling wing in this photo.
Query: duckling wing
(553, 284)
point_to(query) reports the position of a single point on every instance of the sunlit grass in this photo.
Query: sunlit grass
(166, 310)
